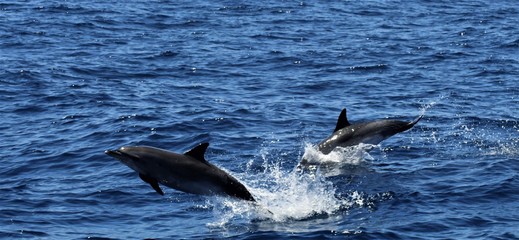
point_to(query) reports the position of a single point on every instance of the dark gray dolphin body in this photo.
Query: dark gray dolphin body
(374, 132)
(188, 172)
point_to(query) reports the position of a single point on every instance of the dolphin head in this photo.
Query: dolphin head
(130, 156)
(138, 159)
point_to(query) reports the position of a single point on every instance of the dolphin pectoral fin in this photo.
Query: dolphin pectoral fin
(342, 121)
(153, 182)
(198, 152)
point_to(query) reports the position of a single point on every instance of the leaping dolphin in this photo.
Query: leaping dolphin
(374, 132)
(188, 172)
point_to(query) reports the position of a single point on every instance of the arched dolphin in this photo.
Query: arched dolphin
(188, 172)
(374, 132)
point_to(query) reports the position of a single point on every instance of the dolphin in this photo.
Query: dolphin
(373, 132)
(188, 172)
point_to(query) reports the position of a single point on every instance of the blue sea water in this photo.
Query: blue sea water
(262, 82)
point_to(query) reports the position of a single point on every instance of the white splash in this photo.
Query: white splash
(431, 104)
(354, 155)
(284, 195)
(510, 149)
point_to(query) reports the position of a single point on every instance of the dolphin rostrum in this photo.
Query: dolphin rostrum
(188, 172)
(374, 132)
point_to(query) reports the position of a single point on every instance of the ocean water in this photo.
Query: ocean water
(262, 82)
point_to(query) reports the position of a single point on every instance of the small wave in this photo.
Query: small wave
(25, 234)
(166, 54)
(279, 36)
(69, 9)
(512, 44)
(368, 68)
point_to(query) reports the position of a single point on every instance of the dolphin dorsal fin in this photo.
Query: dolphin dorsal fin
(342, 122)
(198, 152)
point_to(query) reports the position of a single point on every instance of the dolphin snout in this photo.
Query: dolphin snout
(113, 153)
(122, 155)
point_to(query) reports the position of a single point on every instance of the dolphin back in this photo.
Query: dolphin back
(384, 129)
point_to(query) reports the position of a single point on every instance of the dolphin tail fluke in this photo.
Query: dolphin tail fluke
(415, 121)
(411, 124)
